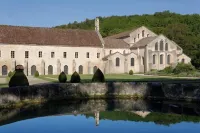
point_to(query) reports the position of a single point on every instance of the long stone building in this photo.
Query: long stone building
(51, 50)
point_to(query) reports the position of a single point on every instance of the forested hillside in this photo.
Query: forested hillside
(183, 29)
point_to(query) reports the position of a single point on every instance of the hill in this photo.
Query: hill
(183, 29)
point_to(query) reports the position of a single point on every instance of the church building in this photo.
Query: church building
(51, 51)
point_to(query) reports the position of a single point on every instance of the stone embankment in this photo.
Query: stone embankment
(112, 90)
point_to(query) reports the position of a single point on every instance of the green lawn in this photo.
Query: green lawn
(119, 77)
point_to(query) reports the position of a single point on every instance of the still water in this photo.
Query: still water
(118, 116)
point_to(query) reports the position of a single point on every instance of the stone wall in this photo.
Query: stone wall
(173, 91)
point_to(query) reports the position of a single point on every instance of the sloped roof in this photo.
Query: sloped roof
(143, 42)
(121, 35)
(49, 36)
(115, 43)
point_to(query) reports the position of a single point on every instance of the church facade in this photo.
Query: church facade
(50, 51)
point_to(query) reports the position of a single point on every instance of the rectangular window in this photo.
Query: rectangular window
(40, 54)
(138, 35)
(26, 54)
(12, 54)
(88, 55)
(98, 55)
(76, 54)
(64, 54)
(52, 54)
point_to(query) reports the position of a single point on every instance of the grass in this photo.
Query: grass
(119, 77)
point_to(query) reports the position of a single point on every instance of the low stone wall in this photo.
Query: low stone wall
(175, 91)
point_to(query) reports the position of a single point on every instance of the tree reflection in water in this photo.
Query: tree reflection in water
(159, 112)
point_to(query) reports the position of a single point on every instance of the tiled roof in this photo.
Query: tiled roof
(121, 35)
(143, 42)
(115, 43)
(49, 36)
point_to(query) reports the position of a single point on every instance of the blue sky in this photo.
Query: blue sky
(48, 13)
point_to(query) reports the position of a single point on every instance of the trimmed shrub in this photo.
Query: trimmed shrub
(75, 78)
(36, 74)
(19, 78)
(181, 67)
(131, 72)
(98, 76)
(62, 77)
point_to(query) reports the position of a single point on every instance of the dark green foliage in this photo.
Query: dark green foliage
(10, 74)
(181, 67)
(98, 76)
(18, 79)
(62, 77)
(183, 29)
(131, 72)
(168, 70)
(75, 78)
(36, 74)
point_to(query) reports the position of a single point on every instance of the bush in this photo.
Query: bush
(181, 67)
(75, 78)
(36, 74)
(131, 72)
(19, 78)
(10, 74)
(98, 76)
(168, 70)
(62, 77)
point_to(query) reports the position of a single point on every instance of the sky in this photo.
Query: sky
(49, 13)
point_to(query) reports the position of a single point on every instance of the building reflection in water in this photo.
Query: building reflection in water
(96, 114)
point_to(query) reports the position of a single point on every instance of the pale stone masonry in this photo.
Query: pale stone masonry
(50, 51)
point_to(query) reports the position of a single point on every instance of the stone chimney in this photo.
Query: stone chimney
(97, 24)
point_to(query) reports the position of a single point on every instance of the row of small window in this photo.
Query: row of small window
(161, 59)
(143, 34)
(161, 46)
(118, 62)
(53, 54)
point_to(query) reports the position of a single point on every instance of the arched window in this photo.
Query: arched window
(80, 69)
(154, 59)
(143, 33)
(183, 60)
(117, 62)
(156, 46)
(66, 69)
(95, 69)
(161, 59)
(168, 59)
(161, 45)
(132, 61)
(33, 70)
(4, 70)
(50, 69)
(110, 51)
(166, 47)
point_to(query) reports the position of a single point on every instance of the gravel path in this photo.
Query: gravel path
(32, 80)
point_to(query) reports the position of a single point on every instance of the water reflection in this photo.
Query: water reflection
(159, 112)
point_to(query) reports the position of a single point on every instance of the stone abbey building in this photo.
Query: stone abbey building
(51, 50)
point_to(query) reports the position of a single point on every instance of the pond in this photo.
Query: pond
(99, 116)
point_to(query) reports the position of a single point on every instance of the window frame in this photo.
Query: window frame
(26, 54)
